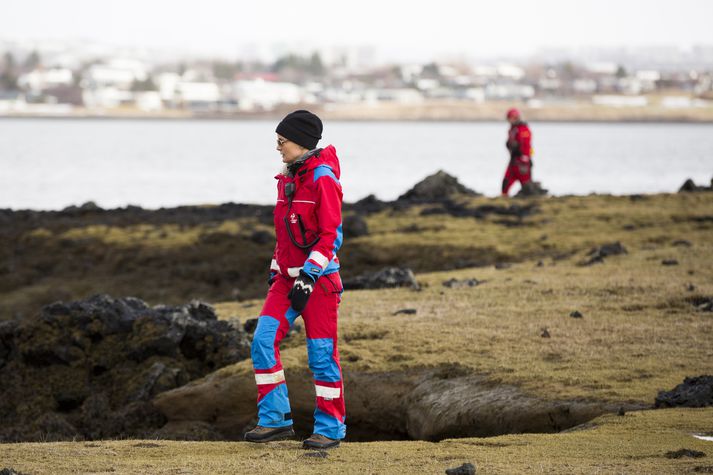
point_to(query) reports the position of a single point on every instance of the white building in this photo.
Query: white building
(39, 80)
(584, 86)
(106, 97)
(118, 73)
(258, 94)
(509, 91)
(510, 71)
(198, 94)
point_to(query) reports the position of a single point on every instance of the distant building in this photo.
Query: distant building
(509, 92)
(584, 86)
(258, 94)
(198, 95)
(117, 73)
(39, 80)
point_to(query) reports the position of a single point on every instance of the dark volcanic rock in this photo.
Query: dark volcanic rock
(598, 254)
(435, 188)
(459, 210)
(690, 186)
(262, 237)
(693, 392)
(704, 304)
(388, 277)
(465, 469)
(455, 283)
(677, 454)
(368, 205)
(532, 188)
(250, 325)
(89, 369)
(354, 226)
(405, 311)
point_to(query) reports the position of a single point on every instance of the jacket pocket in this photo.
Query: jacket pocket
(332, 284)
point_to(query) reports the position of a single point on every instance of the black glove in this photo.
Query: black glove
(300, 292)
(271, 279)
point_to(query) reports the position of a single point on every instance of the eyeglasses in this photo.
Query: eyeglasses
(281, 142)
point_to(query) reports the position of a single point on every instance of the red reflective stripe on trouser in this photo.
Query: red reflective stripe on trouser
(320, 321)
(516, 171)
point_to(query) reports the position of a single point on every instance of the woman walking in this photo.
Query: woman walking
(304, 280)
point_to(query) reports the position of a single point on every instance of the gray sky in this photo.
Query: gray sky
(396, 28)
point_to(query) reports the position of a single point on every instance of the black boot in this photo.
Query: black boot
(267, 434)
(318, 441)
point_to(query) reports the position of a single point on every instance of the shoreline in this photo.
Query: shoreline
(92, 206)
(576, 112)
(245, 118)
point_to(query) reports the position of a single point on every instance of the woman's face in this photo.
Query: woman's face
(289, 150)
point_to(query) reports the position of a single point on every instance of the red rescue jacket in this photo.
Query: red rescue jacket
(312, 214)
(519, 141)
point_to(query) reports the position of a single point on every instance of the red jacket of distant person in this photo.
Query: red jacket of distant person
(519, 140)
(519, 144)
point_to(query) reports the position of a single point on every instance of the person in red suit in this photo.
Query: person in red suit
(304, 281)
(520, 148)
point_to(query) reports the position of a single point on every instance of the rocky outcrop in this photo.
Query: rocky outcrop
(354, 226)
(693, 392)
(386, 278)
(690, 186)
(435, 188)
(88, 369)
(367, 205)
(418, 403)
(531, 188)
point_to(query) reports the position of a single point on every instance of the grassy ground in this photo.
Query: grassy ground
(640, 333)
(640, 330)
(635, 443)
(216, 259)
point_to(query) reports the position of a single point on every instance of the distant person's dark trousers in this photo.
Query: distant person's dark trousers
(519, 169)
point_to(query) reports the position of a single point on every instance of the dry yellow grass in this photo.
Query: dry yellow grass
(640, 333)
(635, 443)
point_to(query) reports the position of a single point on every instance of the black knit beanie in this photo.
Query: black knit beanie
(301, 127)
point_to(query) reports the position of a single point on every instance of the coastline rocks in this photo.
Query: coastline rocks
(689, 186)
(88, 369)
(531, 188)
(386, 278)
(693, 392)
(435, 188)
(459, 210)
(367, 205)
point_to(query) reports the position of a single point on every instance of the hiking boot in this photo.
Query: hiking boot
(318, 441)
(266, 434)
